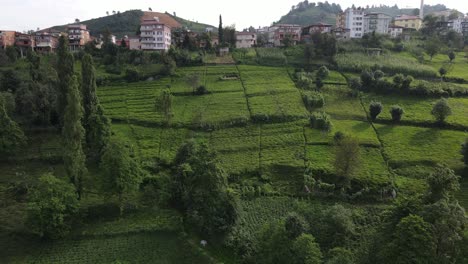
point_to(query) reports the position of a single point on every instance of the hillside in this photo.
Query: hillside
(127, 23)
(396, 11)
(306, 13)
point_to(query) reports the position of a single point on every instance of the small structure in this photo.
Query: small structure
(395, 31)
(342, 33)
(203, 243)
(223, 51)
(245, 39)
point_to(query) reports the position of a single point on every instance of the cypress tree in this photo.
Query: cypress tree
(73, 135)
(96, 124)
(65, 72)
(220, 31)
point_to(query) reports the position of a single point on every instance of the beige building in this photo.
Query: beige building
(414, 22)
(245, 40)
(78, 36)
(134, 43)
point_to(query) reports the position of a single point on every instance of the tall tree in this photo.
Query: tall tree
(221, 31)
(65, 72)
(73, 135)
(96, 124)
(11, 135)
(347, 159)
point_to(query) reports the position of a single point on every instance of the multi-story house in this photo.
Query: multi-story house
(278, 33)
(414, 22)
(457, 25)
(78, 36)
(464, 26)
(309, 30)
(7, 38)
(24, 42)
(45, 42)
(443, 27)
(354, 20)
(155, 35)
(134, 43)
(245, 39)
(395, 31)
(376, 22)
(341, 33)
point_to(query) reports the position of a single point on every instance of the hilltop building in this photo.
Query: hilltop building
(376, 22)
(78, 36)
(309, 30)
(245, 39)
(24, 42)
(341, 33)
(7, 38)
(156, 31)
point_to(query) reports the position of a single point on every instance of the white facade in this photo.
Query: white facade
(245, 40)
(457, 25)
(155, 35)
(395, 31)
(376, 22)
(355, 22)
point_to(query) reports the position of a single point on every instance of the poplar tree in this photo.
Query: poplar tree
(11, 135)
(65, 72)
(96, 124)
(220, 31)
(73, 134)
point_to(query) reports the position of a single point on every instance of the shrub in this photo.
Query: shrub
(375, 108)
(321, 120)
(398, 79)
(442, 71)
(441, 110)
(338, 137)
(378, 74)
(201, 90)
(451, 56)
(406, 83)
(318, 83)
(295, 225)
(323, 72)
(367, 78)
(355, 84)
(132, 75)
(313, 100)
(396, 112)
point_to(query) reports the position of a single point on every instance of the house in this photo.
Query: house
(457, 25)
(156, 31)
(78, 36)
(376, 22)
(245, 40)
(395, 31)
(354, 20)
(134, 43)
(341, 33)
(7, 38)
(278, 33)
(414, 22)
(443, 27)
(309, 30)
(464, 26)
(24, 42)
(124, 39)
(45, 42)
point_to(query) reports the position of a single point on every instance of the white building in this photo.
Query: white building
(245, 40)
(376, 22)
(354, 21)
(457, 24)
(155, 35)
(395, 31)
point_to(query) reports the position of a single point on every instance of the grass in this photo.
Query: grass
(340, 105)
(458, 68)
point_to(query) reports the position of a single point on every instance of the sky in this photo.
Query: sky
(23, 15)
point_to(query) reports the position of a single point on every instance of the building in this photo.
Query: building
(45, 42)
(395, 31)
(414, 22)
(7, 38)
(443, 27)
(78, 36)
(457, 25)
(124, 39)
(24, 42)
(156, 31)
(309, 30)
(341, 20)
(376, 22)
(354, 20)
(134, 43)
(245, 40)
(278, 33)
(341, 33)
(464, 25)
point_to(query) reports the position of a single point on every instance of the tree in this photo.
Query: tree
(221, 31)
(52, 207)
(413, 242)
(347, 159)
(451, 56)
(65, 72)
(73, 135)
(287, 41)
(305, 250)
(193, 81)
(396, 112)
(464, 151)
(442, 72)
(375, 108)
(432, 47)
(96, 124)
(274, 246)
(10, 81)
(121, 171)
(11, 135)
(164, 104)
(200, 190)
(295, 225)
(441, 110)
(123, 43)
(340, 255)
(323, 72)
(378, 74)
(77, 20)
(443, 183)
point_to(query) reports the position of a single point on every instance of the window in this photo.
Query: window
(160, 39)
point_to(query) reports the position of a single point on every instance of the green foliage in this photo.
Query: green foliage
(375, 108)
(200, 189)
(464, 151)
(432, 47)
(397, 113)
(441, 110)
(413, 241)
(306, 250)
(451, 56)
(11, 135)
(201, 90)
(321, 120)
(340, 255)
(132, 75)
(65, 71)
(121, 171)
(73, 135)
(295, 225)
(347, 159)
(443, 183)
(442, 71)
(9, 81)
(313, 100)
(305, 13)
(164, 104)
(273, 244)
(52, 207)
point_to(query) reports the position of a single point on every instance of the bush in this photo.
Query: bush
(201, 90)
(396, 112)
(375, 108)
(323, 72)
(441, 110)
(355, 84)
(313, 100)
(378, 74)
(321, 120)
(132, 75)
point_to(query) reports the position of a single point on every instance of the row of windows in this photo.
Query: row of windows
(159, 45)
(152, 26)
(357, 18)
(357, 24)
(357, 29)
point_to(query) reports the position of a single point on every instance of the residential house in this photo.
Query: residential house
(341, 33)
(7, 38)
(395, 31)
(278, 33)
(443, 27)
(464, 26)
(376, 22)
(78, 36)
(245, 39)
(309, 30)
(354, 20)
(45, 42)
(124, 39)
(134, 43)
(24, 42)
(156, 31)
(414, 22)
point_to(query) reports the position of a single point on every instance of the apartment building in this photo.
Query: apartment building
(376, 22)
(155, 35)
(354, 20)
(457, 25)
(7, 38)
(414, 22)
(245, 39)
(309, 30)
(278, 33)
(78, 36)
(45, 42)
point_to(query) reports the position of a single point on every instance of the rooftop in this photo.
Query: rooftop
(406, 17)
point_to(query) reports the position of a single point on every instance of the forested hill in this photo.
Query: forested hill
(396, 11)
(127, 23)
(306, 13)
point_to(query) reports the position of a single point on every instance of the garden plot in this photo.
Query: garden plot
(340, 105)
(284, 106)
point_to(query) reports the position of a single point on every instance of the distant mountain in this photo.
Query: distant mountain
(306, 13)
(127, 23)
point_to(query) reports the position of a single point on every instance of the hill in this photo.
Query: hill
(306, 13)
(127, 23)
(396, 11)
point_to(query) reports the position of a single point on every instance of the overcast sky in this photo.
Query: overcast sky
(31, 14)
